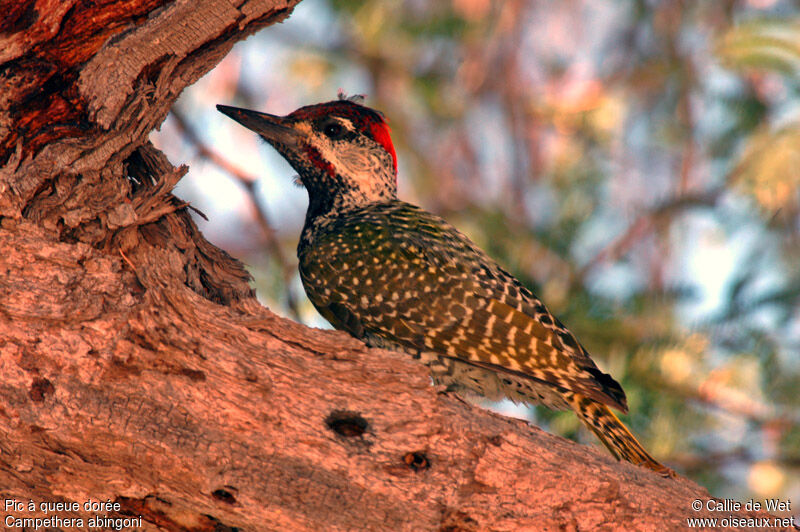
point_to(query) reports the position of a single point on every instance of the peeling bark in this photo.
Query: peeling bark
(137, 368)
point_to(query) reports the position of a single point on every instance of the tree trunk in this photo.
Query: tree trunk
(138, 371)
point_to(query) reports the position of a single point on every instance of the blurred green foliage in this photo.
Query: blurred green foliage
(635, 163)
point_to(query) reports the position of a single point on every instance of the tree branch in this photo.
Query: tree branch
(248, 181)
(138, 370)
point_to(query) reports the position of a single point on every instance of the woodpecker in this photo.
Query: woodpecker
(398, 277)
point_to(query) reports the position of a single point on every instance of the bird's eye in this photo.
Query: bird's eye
(333, 130)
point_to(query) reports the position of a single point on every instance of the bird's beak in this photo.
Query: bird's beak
(274, 129)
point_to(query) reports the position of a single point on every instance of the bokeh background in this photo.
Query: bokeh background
(636, 163)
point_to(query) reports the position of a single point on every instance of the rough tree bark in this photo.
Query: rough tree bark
(137, 368)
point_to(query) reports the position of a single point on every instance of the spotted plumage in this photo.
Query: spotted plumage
(396, 276)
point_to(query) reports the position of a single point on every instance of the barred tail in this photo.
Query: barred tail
(614, 435)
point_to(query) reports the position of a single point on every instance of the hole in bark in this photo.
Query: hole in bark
(193, 374)
(347, 424)
(224, 496)
(417, 461)
(40, 389)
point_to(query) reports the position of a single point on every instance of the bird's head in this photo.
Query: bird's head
(341, 150)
